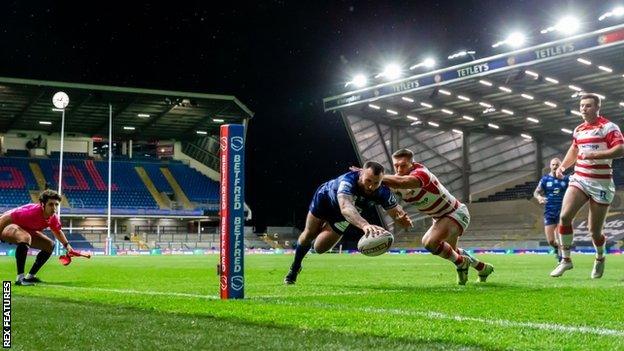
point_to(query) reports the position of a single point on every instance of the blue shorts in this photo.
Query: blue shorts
(321, 207)
(551, 218)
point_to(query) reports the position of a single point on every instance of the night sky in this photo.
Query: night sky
(280, 58)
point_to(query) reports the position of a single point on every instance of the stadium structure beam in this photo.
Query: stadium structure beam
(465, 166)
(154, 120)
(383, 143)
(25, 110)
(539, 158)
(117, 113)
(191, 130)
(75, 108)
(416, 142)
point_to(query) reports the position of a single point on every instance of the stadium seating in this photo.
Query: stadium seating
(85, 182)
(522, 191)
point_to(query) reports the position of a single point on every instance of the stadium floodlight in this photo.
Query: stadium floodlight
(485, 104)
(552, 80)
(424, 104)
(461, 97)
(46, 123)
(468, 118)
(427, 63)
(128, 128)
(527, 96)
(551, 104)
(391, 71)
(462, 53)
(448, 112)
(575, 112)
(376, 107)
(392, 112)
(605, 68)
(526, 136)
(413, 118)
(584, 61)
(416, 123)
(532, 120)
(457, 131)
(359, 81)
(218, 120)
(531, 73)
(617, 12)
(622, 103)
(509, 112)
(408, 99)
(505, 89)
(515, 40)
(445, 92)
(574, 87)
(433, 124)
(566, 130)
(143, 115)
(566, 25)
(201, 132)
(485, 82)
(493, 126)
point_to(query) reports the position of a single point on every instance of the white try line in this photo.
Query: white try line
(217, 297)
(496, 322)
(426, 314)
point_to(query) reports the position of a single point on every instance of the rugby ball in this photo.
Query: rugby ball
(375, 245)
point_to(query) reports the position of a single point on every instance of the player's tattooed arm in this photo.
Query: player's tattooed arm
(350, 212)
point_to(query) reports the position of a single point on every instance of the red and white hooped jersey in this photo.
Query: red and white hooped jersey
(431, 198)
(598, 136)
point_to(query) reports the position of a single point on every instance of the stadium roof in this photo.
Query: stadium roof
(155, 114)
(540, 82)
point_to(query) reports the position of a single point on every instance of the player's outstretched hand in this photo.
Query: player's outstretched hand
(372, 230)
(404, 221)
(541, 200)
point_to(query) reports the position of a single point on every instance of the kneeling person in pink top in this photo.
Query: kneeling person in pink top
(23, 227)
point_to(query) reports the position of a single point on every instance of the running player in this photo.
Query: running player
(335, 211)
(418, 186)
(22, 226)
(549, 192)
(595, 143)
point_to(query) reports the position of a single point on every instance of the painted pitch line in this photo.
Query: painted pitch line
(212, 297)
(496, 322)
(427, 314)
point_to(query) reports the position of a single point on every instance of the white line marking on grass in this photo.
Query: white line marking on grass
(498, 322)
(135, 292)
(214, 297)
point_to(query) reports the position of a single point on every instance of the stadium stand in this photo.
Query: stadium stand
(521, 191)
(84, 182)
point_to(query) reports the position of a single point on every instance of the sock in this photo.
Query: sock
(600, 246)
(20, 257)
(474, 262)
(445, 251)
(41, 259)
(565, 237)
(300, 252)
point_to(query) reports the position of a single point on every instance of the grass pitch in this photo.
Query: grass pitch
(340, 302)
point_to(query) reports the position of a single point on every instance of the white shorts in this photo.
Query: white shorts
(461, 216)
(600, 191)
